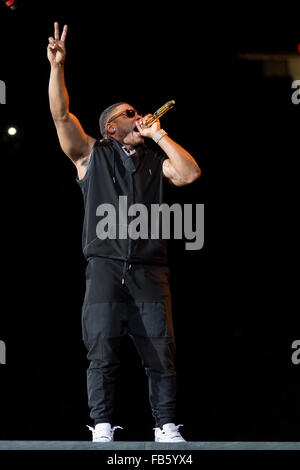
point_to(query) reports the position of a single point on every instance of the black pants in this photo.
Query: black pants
(141, 308)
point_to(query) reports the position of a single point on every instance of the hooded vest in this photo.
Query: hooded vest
(112, 174)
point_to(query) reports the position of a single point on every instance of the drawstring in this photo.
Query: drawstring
(124, 270)
(114, 169)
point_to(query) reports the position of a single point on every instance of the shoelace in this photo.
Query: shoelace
(98, 432)
(172, 433)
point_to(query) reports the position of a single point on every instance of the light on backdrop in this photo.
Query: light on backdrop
(12, 131)
(10, 4)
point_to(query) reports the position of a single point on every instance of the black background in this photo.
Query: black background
(235, 299)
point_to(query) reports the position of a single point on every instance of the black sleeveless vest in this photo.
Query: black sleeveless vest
(111, 174)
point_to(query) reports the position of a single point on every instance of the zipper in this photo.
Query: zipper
(129, 246)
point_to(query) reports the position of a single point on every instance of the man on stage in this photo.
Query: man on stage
(127, 279)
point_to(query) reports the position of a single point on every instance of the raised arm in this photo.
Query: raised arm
(75, 143)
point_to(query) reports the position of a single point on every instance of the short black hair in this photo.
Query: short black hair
(105, 116)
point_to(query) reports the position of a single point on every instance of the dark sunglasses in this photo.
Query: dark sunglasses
(130, 113)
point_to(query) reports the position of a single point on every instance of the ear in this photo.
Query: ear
(110, 128)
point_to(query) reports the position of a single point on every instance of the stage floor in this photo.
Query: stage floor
(130, 445)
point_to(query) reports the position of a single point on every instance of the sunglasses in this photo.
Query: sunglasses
(130, 113)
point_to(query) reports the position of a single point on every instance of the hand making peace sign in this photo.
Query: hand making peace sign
(56, 51)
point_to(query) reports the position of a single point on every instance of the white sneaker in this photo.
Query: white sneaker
(168, 433)
(103, 432)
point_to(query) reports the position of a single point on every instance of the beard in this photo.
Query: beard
(132, 138)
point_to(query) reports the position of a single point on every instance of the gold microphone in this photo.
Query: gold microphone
(155, 116)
